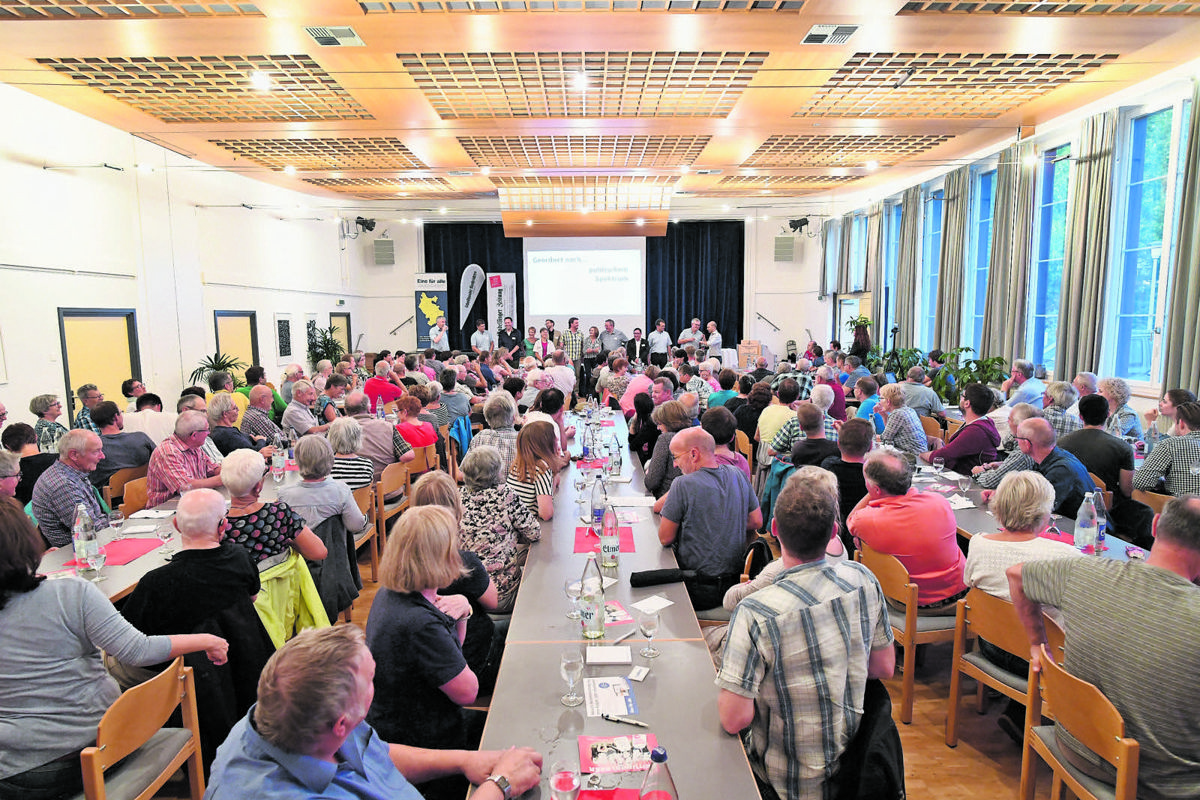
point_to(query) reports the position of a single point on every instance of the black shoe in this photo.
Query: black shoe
(1009, 726)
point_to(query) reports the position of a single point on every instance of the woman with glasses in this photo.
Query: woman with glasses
(47, 408)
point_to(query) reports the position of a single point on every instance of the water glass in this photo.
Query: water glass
(572, 588)
(165, 530)
(570, 666)
(939, 464)
(95, 562)
(116, 520)
(964, 483)
(564, 780)
(648, 625)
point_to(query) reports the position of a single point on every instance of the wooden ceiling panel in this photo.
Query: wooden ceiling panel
(121, 9)
(510, 6)
(841, 151)
(1055, 8)
(585, 193)
(627, 152)
(582, 84)
(393, 188)
(344, 154)
(254, 88)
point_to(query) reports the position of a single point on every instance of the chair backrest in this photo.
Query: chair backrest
(742, 444)
(1090, 717)
(364, 498)
(758, 555)
(1101, 485)
(953, 426)
(1155, 500)
(931, 426)
(890, 573)
(135, 496)
(392, 479)
(135, 717)
(995, 620)
(117, 481)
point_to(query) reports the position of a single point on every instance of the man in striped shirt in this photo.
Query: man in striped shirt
(800, 651)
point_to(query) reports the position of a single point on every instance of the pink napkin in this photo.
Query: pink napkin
(588, 542)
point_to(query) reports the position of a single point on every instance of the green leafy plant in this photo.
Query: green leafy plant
(900, 360)
(854, 322)
(957, 371)
(218, 362)
(324, 344)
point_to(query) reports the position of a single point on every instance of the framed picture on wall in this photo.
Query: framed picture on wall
(285, 346)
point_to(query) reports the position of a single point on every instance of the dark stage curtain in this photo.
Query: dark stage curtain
(451, 248)
(697, 270)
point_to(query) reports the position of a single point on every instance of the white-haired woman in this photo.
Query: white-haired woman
(1122, 420)
(345, 437)
(318, 496)
(266, 530)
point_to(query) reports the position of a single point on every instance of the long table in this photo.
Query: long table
(678, 700)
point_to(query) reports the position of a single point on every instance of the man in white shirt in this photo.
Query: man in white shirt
(714, 341)
(439, 336)
(561, 374)
(660, 344)
(482, 341)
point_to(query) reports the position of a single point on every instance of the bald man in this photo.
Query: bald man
(256, 422)
(1066, 473)
(710, 515)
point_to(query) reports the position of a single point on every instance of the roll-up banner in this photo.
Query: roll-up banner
(431, 297)
(468, 291)
(501, 300)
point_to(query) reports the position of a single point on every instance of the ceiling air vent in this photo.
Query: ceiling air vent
(460, 173)
(385, 252)
(335, 37)
(829, 34)
(708, 172)
(785, 249)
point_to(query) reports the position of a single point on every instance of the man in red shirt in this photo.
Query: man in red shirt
(380, 387)
(918, 528)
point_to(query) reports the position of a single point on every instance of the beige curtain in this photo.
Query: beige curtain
(1011, 253)
(908, 264)
(1181, 347)
(844, 280)
(829, 233)
(875, 270)
(956, 214)
(1081, 310)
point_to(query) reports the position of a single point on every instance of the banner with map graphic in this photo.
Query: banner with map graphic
(431, 296)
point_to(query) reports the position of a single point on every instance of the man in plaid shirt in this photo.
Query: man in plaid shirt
(800, 651)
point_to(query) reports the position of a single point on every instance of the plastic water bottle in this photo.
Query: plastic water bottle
(379, 407)
(614, 462)
(599, 504)
(610, 539)
(1085, 524)
(657, 785)
(591, 599)
(1101, 519)
(587, 444)
(278, 460)
(83, 536)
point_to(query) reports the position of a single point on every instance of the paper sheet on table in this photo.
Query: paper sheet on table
(651, 604)
(608, 696)
(638, 501)
(627, 516)
(959, 502)
(130, 530)
(150, 513)
(609, 654)
(951, 475)
(619, 479)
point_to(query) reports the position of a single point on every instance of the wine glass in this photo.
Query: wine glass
(939, 464)
(564, 780)
(116, 520)
(165, 531)
(570, 666)
(579, 482)
(572, 588)
(964, 482)
(1053, 529)
(648, 625)
(95, 561)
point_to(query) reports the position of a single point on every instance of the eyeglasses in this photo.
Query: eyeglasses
(10, 475)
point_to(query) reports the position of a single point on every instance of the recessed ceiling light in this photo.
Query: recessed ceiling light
(485, 170)
(580, 81)
(872, 165)
(724, 208)
(442, 210)
(289, 170)
(584, 209)
(640, 222)
(685, 169)
(417, 221)
(528, 223)
(749, 220)
(260, 80)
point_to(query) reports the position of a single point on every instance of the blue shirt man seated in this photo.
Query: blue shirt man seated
(307, 735)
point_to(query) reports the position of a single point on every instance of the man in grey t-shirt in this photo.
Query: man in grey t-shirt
(709, 515)
(919, 397)
(1133, 630)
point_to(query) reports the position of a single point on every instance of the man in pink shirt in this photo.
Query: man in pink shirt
(178, 464)
(918, 528)
(637, 385)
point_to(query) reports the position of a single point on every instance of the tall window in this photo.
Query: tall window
(1140, 247)
(892, 213)
(833, 244)
(978, 255)
(931, 256)
(1051, 242)
(858, 254)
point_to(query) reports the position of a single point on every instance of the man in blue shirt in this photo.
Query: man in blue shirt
(1025, 388)
(306, 736)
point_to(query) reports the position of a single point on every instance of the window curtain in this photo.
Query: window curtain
(1011, 251)
(1182, 343)
(698, 270)
(830, 230)
(451, 248)
(956, 205)
(845, 281)
(1081, 310)
(875, 271)
(908, 264)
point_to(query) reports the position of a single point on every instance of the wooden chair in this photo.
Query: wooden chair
(364, 498)
(931, 426)
(987, 617)
(452, 453)
(742, 445)
(1082, 710)
(134, 496)
(392, 480)
(1155, 500)
(953, 426)
(426, 461)
(132, 729)
(909, 629)
(1101, 485)
(390, 408)
(116, 483)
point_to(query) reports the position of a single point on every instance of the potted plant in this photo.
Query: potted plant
(219, 362)
(323, 344)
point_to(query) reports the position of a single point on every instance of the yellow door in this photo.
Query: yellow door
(99, 347)
(237, 336)
(341, 329)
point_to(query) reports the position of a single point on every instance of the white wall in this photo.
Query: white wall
(784, 292)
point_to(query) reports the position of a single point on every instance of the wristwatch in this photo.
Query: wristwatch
(503, 784)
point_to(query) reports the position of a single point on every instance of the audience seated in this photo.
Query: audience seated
(499, 411)
(854, 442)
(265, 530)
(150, 419)
(47, 408)
(20, 439)
(1173, 458)
(179, 463)
(661, 470)
(345, 437)
(532, 474)
(1066, 474)
(975, 442)
(720, 424)
(65, 484)
(813, 446)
